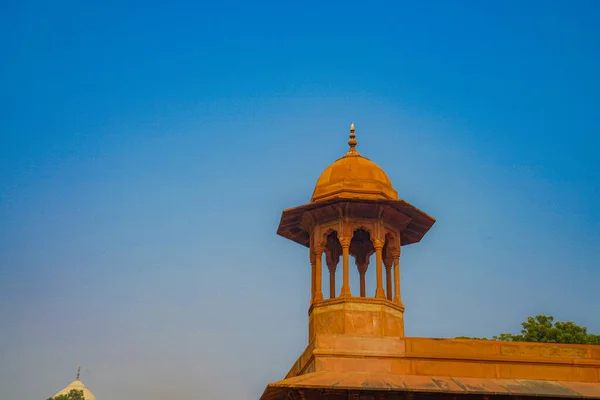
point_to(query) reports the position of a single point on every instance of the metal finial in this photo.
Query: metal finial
(78, 372)
(352, 142)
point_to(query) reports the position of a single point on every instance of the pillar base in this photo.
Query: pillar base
(345, 292)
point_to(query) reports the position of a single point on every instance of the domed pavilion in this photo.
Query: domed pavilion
(356, 344)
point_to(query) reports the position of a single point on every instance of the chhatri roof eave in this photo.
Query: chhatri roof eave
(291, 218)
(381, 382)
(311, 206)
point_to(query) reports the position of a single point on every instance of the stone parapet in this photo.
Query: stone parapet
(449, 357)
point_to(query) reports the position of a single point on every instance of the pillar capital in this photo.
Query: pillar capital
(388, 262)
(378, 244)
(362, 266)
(345, 241)
(318, 248)
(331, 263)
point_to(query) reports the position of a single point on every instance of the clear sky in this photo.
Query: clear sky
(148, 148)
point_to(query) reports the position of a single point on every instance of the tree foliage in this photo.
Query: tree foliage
(74, 394)
(543, 329)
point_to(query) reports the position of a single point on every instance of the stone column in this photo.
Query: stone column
(397, 298)
(362, 270)
(313, 273)
(345, 242)
(332, 283)
(388, 263)
(319, 273)
(378, 244)
(331, 266)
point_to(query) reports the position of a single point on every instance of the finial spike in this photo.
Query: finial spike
(78, 372)
(352, 142)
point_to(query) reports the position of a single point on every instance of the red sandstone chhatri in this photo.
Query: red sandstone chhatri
(357, 349)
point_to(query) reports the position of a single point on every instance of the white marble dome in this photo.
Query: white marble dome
(78, 385)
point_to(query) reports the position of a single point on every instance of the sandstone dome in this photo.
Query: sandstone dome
(354, 177)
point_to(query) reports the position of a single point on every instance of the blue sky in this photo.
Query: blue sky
(148, 148)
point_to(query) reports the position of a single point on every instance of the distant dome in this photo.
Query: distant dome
(78, 385)
(353, 176)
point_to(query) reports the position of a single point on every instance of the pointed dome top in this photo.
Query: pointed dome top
(353, 176)
(77, 385)
(352, 142)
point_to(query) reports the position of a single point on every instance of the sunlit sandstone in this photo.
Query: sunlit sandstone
(356, 345)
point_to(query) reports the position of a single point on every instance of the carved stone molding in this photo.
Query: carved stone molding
(345, 241)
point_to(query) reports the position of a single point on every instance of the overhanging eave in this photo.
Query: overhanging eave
(378, 382)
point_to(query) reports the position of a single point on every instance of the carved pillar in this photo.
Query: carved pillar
(345, 242)
(331, 266)
(319, 272)
(332, 257)
(313, 273)
(362, 266)
(388, 263)
(397, 297)
(378, 244)
(332, 283)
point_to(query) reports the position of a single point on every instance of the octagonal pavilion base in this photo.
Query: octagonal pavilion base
(356, 316)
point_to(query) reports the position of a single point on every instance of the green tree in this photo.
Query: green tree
(543, 329)
(74, 394)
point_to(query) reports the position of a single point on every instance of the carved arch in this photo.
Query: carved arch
(333, 249)
(324, 235)
(369, 227)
